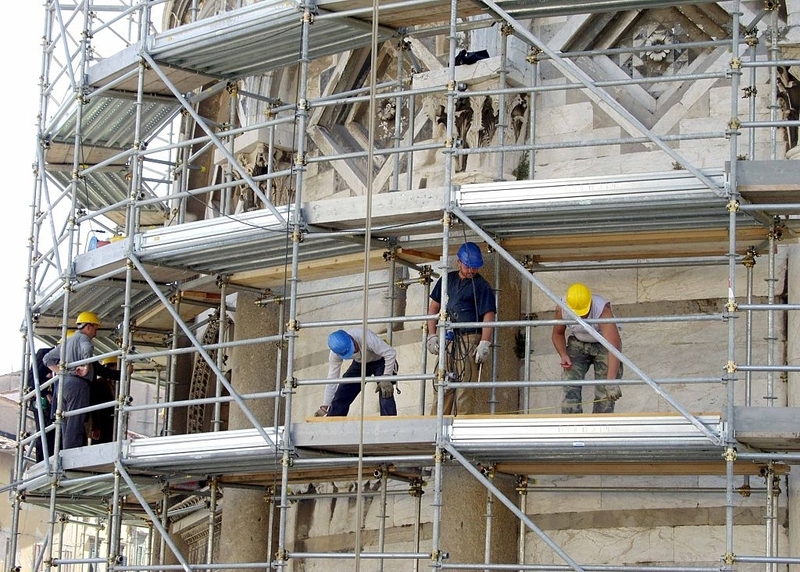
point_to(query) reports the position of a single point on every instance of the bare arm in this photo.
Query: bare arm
(559, 338)
(433, 308)
(610, 332)
(486, 331)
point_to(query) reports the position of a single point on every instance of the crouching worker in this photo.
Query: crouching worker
(379, 359)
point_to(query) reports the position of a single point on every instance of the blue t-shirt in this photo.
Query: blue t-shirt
(468, 299)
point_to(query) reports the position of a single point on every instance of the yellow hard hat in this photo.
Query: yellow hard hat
(87, 318)
(109, 360)
(69, 335)
(579, 299)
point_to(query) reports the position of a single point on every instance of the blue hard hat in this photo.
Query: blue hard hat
(341, 344)
(470, 255)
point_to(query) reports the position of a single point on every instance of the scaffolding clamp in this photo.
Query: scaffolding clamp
(749, 258)
(506, 29)
(731, 367)
(281, 554)
(533, 56)
(733, 206)
(730, 559)
(416, 488)
(425, 274)
(730, 454)
(290, 383)
(736, 63)
(293, 326)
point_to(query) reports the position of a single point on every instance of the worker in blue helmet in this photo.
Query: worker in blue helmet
(378, 358)
(470, 298)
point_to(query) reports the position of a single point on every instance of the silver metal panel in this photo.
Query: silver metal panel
(585, 436)
(645, 201)
(109, 122)
(255, 39)
(525, 9)
(224, 451)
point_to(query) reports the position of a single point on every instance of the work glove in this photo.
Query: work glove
(483, 351)
(433, 344)
(386, 388)
(613, 391)
(322, 411)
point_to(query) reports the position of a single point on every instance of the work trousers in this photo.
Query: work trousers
(583, 356)
(346, 393)
(76, 396)
(461, 367)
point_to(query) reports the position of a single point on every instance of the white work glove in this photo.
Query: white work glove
(613, 391)
(386, 388)
(483, 351)
(322, 411)
(433, 344)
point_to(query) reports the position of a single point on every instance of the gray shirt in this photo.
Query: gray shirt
(79, 347)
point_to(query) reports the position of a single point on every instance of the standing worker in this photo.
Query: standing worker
(76, 380)
(579, 350)
(470, 298)
(38, 374)
(380, 358)
(103, 389)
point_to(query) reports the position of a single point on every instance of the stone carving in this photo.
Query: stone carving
(789, 102)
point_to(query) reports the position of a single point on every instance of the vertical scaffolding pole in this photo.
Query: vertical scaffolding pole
(770, 393)
(382, 517)
(505, 32)
(295, 229)
(522, 490)
(440, 379)
(733, 204)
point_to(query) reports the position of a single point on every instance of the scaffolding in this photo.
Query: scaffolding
(175, 144)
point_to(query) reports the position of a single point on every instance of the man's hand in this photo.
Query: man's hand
(566, 363)
(433, 344)
(386, 389)
(322, 411)
(482, 352)
(613, 391)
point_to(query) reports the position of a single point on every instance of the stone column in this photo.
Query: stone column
(245, 513)
(464, 510)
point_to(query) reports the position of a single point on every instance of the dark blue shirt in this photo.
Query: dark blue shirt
(467, 299)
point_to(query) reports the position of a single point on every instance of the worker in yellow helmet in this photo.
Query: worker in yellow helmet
(76, 379)
(579, 350)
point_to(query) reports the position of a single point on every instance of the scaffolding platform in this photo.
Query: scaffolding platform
(336, 448)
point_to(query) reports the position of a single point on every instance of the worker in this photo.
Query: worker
(381, 361)
(76, 380)
(579, 349)
(103, 389)
(470, 298)
(38, 374)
